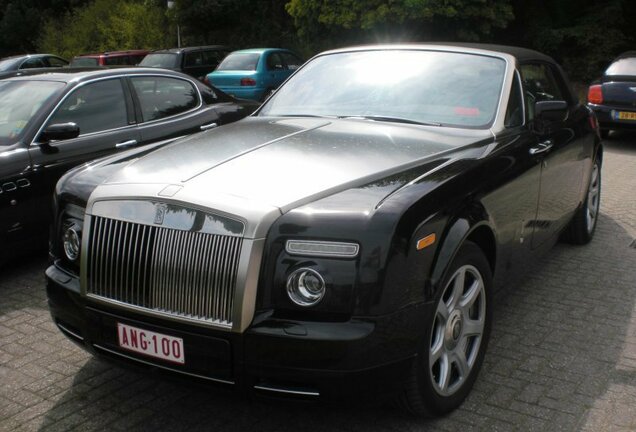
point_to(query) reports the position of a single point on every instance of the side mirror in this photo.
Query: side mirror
(551, 111)
(60, 131)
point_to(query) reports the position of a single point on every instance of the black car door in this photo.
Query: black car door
(170, 107)
(103, 111)
(14, 192)
(559, 150)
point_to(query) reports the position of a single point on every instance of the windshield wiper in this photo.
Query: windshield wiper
(391, 119)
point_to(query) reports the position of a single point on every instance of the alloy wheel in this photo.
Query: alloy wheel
(458, 330)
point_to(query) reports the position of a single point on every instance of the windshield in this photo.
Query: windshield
(624, 66)
(164, 60)
(240, 61)
(84, 62)
(439, 88)
(20, 101)
(6, 65)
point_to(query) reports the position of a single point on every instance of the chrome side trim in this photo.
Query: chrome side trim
(99, 347)
(247, 284)
(287, 390)
(65, 330)
(34, 143)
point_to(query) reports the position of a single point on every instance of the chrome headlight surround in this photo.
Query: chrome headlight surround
(71, 242)
(306, 287)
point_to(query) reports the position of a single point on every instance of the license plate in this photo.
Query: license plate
(625, 115)
(152, 344)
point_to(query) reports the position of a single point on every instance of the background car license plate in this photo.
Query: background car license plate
(626, 115)
(152, 344)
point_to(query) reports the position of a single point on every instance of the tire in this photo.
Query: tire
(441, 378)
(583, 224)
(605, 133)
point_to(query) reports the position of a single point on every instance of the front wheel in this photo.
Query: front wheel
(583, 224)
(457, 334)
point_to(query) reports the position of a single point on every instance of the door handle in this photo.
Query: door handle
(208, 126)
(126, 144)
(543, 147)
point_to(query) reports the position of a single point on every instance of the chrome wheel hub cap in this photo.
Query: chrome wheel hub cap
(458, 328)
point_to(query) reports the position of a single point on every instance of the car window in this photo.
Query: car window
(450, 89)
(120, 60)
(193, 59)
(162, 97)
(94, 107)
(84, 62)
(160, 60)
(624, 66)
(539, 80)
(136, 59)
(56, 62)
(514, 112)
(33, 63)
(240, 61)
(291, 61)
(212, 57)
(20, 102)
(274, 62)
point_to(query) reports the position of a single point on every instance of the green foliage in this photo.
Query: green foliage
(106, 25)
(397, 20)
(236, 23)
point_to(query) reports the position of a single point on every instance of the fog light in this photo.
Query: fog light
(72, 242)
(305, 287)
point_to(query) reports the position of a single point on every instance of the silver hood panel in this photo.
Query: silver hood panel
(266, 163)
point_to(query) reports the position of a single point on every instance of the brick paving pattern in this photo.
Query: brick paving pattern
(562, 355)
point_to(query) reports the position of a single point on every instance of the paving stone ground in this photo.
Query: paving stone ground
(562, 355)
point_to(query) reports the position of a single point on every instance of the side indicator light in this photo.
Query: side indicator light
(426, 241)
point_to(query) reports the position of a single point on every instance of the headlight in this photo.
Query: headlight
(72, 241)
(305, 287)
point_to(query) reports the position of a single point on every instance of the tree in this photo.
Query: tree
(236, 23)
(106, 25)
(352, 21)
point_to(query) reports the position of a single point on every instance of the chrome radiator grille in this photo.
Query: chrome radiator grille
(184, 274)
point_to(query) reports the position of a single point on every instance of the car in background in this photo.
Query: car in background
(111, 58)
(613, 96)
(9, 65)
(343, 242)
(51, 122)
(194, 61)
(254, 73)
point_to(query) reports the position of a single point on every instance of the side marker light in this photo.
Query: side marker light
(426, 241)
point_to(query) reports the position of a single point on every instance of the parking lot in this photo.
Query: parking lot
(562, 355)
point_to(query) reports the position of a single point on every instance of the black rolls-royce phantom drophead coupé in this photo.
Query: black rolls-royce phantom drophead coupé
(344, 239)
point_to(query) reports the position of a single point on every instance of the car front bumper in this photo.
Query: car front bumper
(359, 359)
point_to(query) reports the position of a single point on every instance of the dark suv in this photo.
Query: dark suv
(194, 61)
(111, 58)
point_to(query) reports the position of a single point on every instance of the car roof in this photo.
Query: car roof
(259, 50)
(84, 74)
(521, 54)
(113, 53)
(26, 56)
(189, 49)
